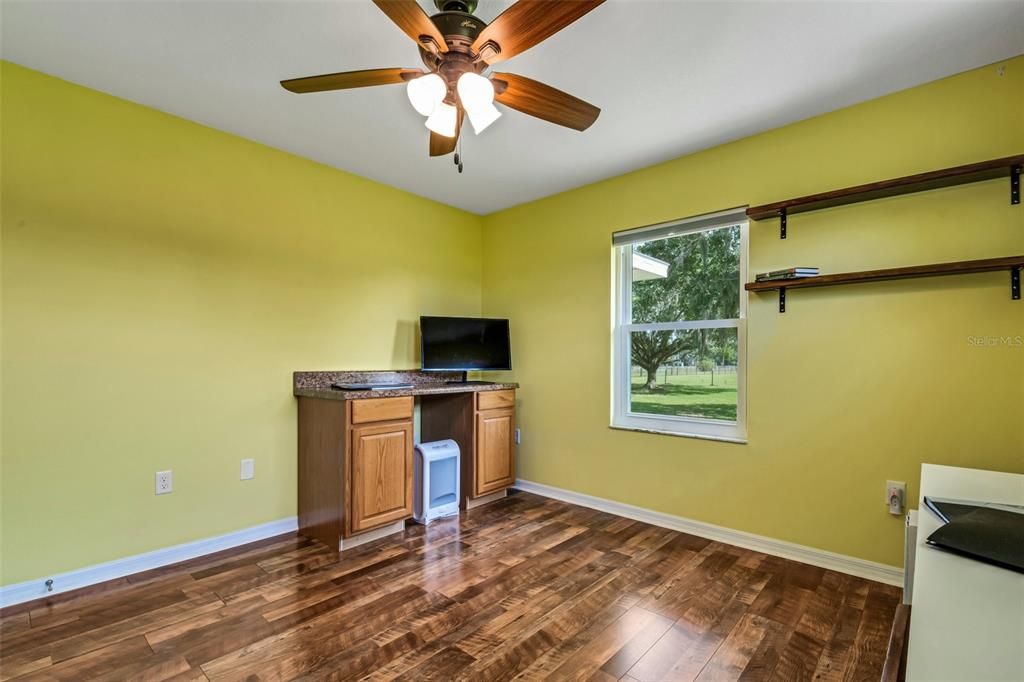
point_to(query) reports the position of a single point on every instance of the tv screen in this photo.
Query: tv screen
(464, 344)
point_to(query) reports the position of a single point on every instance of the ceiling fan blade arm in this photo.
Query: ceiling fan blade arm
(349, 79)
(414, 22)
(527, 23)
(543, 101)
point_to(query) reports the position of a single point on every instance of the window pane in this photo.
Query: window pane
(690, 277)
(688, 373)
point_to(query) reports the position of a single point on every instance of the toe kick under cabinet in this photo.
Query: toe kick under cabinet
(355, 466)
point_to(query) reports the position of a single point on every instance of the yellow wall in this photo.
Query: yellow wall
(853, 385)
(161, 281)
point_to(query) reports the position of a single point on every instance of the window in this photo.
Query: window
(680, 327)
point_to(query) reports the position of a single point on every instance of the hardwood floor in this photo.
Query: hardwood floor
(524, 588)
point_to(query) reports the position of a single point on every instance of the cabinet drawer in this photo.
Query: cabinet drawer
(381, 409)
(493, 400)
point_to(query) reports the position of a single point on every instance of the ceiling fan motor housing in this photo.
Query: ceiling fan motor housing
(460, 29)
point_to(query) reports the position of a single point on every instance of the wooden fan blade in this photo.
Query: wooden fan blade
(413, 21)
(527, 23)
(543, 101)
(441, 145)
(349, 79)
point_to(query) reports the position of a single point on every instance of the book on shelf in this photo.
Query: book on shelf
(788, 273)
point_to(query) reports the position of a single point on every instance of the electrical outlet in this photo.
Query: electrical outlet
(248, 469)
(517, 435)
(164, 482)
(895, 496)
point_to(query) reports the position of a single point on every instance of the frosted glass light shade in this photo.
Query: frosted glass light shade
(483, 117)
(477, 96)
(426, 92)
(475, 91)
(442, 121)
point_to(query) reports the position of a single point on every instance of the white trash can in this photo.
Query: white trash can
(436, 472)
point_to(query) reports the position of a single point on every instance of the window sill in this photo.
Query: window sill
(680, 434)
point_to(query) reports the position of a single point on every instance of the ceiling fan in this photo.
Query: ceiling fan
(457, 48)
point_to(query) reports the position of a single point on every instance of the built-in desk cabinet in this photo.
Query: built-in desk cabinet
(356, 456)
(484, 426)
(355, 466)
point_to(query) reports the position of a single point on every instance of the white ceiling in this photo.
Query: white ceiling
(671, 77)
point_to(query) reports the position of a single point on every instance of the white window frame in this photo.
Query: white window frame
(696, 427)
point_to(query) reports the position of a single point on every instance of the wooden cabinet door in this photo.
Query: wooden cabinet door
(381, 475)
(495, 451)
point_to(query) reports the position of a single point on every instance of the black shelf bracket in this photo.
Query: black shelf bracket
(1015, 185)
(782, 297)
(1015, 284)
(782, 217)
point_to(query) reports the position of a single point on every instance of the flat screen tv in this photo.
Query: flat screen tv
(461, 344)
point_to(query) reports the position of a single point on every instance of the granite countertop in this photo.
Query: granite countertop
(318, 384)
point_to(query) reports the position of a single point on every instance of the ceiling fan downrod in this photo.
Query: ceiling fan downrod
(467, 6)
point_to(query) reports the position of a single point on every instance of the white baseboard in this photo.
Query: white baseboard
(91, 575)
(883, 573)
(118, 568)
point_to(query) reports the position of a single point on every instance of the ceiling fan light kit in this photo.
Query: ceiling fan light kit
(484, 117)
(457, 48)
(426, 92)
(443, 120)
(476, 94)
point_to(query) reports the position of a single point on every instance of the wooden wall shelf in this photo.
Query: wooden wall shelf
(1009, 166)
(1011, 263)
